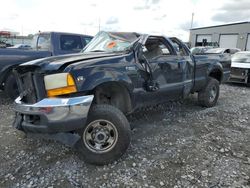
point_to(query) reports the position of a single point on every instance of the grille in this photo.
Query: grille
(238, 72)
(27, 88)
(239, 75)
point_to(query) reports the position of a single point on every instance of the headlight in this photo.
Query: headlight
(59, 84)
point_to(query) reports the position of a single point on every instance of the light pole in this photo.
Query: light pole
(22, 35)
(99, 24)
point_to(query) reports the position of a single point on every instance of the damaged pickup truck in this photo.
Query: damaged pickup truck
(88, 94)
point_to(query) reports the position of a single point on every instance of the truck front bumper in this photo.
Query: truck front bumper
(52, 115)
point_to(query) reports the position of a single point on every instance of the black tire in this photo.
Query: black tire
(248, 81)
(10, 87)
(209, 95)
(119, 132)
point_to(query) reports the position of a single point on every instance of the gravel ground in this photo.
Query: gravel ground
(173, 145)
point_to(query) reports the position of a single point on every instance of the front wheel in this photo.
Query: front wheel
(209, 95)
(106, 135)
(248, 81)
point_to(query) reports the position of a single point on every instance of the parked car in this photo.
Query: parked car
(222, 51)
(21, 47)
(4, 44)
(240, 68)
(200, 49)
(44, 44)
(87, 95)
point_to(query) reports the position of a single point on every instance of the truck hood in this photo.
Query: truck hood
(56, 62)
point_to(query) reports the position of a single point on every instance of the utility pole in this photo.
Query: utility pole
(22, 35)
(192, 21)
(191, 26)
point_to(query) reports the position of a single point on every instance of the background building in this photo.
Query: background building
(235, 35)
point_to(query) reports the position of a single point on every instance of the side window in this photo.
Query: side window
(179, 49)
(70, 43)
(43, 42)
(155, 48)
(34, 42)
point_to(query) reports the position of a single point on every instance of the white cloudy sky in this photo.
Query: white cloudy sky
(169, 17)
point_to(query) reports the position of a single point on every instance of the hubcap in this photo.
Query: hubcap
(100, 136)
(212, 93)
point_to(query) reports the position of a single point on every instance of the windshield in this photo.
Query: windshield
(241, 57)
(199, 50)
(110, 42)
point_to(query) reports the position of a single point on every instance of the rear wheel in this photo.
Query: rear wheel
(106, 135)
(10, 87)
(209, 95)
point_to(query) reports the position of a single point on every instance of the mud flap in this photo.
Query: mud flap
(66, 138)
(18, 121)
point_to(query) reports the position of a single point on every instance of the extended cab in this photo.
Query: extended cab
(90, 93)
(44, 44)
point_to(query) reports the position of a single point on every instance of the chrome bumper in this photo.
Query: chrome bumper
(52, 115)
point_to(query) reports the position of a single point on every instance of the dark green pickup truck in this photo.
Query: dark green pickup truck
(87, 95)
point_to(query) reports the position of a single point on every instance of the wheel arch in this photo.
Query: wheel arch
(215, 70)
(116, 93)
(216, 74)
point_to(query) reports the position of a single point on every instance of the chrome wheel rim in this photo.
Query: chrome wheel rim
(212, 93)
(100, 136)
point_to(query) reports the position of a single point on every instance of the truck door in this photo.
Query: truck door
(166, 70)
(187, 63)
